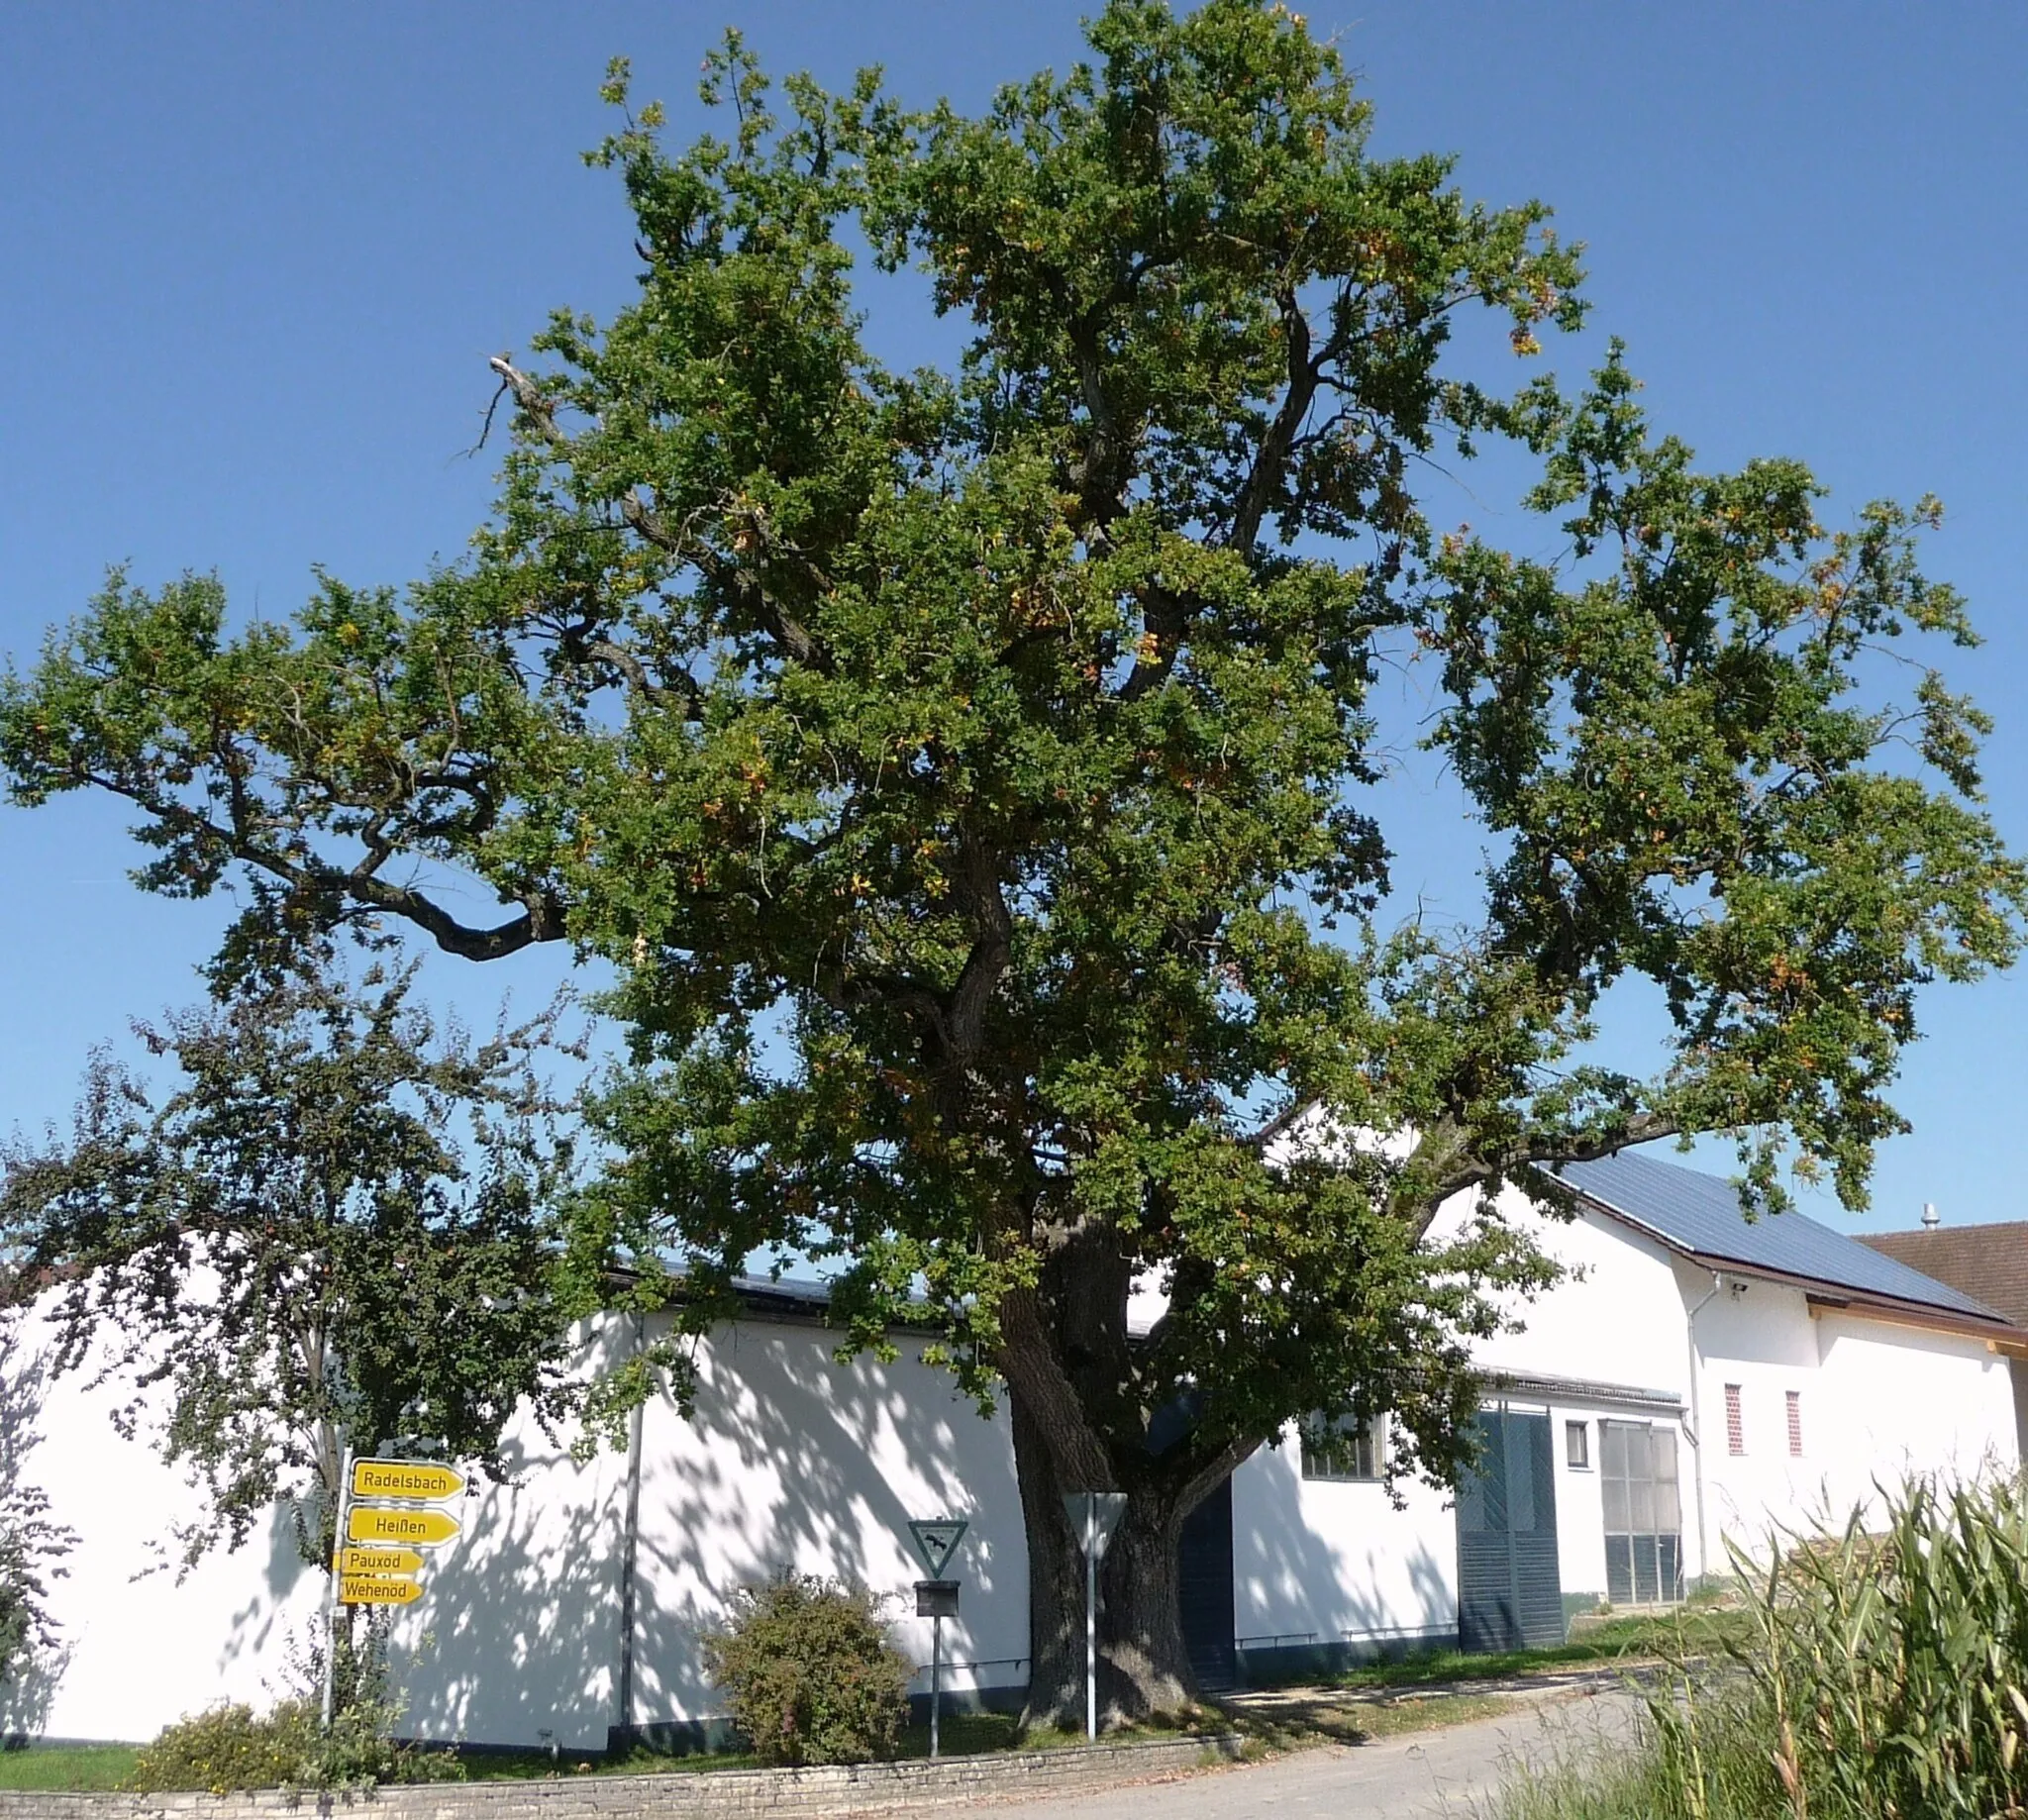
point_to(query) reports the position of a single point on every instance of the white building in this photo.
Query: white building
(1697, 1378)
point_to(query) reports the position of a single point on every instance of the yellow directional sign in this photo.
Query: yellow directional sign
(415, 1479)
(421, 1529)
(374, 1589)
(378, 1561)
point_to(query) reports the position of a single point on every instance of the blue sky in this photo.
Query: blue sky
(252, 260)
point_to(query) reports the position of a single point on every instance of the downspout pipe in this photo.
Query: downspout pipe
(1696, 1424)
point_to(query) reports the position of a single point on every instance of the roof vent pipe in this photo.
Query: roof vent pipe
(1931, 1219)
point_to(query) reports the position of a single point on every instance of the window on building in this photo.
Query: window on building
(1577, 1446)
(1795, 1423)
(1637, 1480)
(1343, 1447)
(1735, 1422)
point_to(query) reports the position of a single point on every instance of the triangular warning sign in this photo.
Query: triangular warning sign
(937, 1540)
(1094, 1516)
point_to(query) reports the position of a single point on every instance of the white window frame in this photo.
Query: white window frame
(1344, 1451)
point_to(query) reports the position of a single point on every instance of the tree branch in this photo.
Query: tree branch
(1263, 479)
(541, 919)
(1644, 1128)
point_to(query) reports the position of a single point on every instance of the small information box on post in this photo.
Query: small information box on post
(935, 1599)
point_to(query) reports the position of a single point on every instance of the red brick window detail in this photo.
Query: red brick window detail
(1795, 1423)
(1735, 1422)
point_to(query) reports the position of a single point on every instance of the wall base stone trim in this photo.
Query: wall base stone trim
(849, 1789)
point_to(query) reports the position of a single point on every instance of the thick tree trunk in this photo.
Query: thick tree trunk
(1141, 1616)
(1144, 1667)
(1082, 1422)
(1056, 1582)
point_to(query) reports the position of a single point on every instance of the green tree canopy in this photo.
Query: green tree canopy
(338, 1228)
(973, 772)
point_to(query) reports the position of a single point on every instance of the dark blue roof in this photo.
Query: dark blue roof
(1701, 1213)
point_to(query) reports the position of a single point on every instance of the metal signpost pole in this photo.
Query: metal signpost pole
(1093, 1515)
(936, 1678)
(345, 1498)
(1091, 1616)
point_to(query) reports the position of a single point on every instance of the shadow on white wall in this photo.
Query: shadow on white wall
(30, 1688)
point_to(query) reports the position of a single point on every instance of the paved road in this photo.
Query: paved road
(1444, 1772)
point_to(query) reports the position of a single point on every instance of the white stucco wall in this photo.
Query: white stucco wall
(793, 1460)
(1616, 1317)
(787, 1461)
(1910, 1403)
(1880, 1402)
(517, 1634)
(1330, 1562)
(1337, 1561)
(141, 1645)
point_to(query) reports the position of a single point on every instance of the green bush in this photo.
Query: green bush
(229, 1747)
(1887, 1679)
(233, 1747)
(809, 1672)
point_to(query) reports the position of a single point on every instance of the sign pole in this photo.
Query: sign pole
(1093, 1515)
(935, 1599)
(345, 1499)
(1090, 1617)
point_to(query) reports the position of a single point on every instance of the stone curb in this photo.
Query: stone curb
(717, 1794)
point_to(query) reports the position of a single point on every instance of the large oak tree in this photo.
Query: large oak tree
(974, 773)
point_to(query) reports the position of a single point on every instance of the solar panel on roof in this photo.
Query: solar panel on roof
(1702, 1213)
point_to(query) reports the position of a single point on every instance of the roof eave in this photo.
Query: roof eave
(1821, 1289)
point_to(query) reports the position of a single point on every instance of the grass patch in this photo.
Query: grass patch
(81, 1767)
(1331, 1718)
(973, 1734)
(960, 1734)
(539, 1765)
(1373, 1719)
(1693, 1631)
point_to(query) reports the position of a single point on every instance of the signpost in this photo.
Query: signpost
(377, 1590)
(1094, 1516)
(415, 1481)
(935, 1599)
(379, 1561)
(374, 1546)
(335, 1586)
(418, 1529)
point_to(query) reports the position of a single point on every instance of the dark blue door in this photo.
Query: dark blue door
(1206, 1591)
(1510, 1594)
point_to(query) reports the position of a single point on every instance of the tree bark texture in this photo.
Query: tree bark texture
(1143, 1663)
(1146, 1666)
(1056, 1582)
